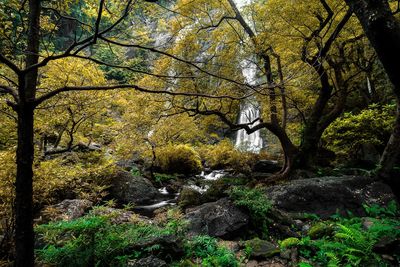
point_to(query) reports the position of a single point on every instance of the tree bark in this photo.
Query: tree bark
(312, 134)
(383, 31)
(24, 235)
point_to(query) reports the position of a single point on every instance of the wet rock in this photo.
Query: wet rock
(67, 210)
(266, 166)
(261, 249)
(150, 261)
(189, 197)
(127, 188)
(326, 195)
(219, 219)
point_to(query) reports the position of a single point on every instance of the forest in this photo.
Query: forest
(185, 133)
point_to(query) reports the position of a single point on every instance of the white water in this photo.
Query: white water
(249, 142)
(249, 112)
(214, 175)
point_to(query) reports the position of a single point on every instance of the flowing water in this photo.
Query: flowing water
(169, 199)
(249, 112)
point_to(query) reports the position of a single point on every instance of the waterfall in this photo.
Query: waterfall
(249, 111)
(249, 142)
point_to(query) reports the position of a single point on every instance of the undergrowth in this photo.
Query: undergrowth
(94, 240)
(352, 242)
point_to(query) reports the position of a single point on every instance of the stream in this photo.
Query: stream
(166, 198)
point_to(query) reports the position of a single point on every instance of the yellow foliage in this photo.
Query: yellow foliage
(224, 156)
(178, 159)
(77, 175)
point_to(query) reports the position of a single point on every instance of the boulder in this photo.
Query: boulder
(127, 188)
(266, 166)
(67, 210)
(326, 195)
(218, 219)
(189, 197)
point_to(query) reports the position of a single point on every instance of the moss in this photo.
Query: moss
(320, 229)
(289, 242)
(189, 197)
(259, 248)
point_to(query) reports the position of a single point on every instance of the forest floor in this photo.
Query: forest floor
(222, 219)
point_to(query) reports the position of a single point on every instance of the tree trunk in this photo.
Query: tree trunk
(383, 32)
(312, 134)
(24, 236)
(390, 157)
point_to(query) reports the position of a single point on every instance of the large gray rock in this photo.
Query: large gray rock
(219, 219)
(326, 195)
(127, 188)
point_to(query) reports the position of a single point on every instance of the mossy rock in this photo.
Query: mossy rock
(189, 197)
(289, 242)
(320, 230)
(259, 248)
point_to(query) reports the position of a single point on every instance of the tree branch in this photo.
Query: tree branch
(55, 92)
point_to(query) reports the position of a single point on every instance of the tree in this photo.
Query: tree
(255, 34)
(28, 46)
(383, 31)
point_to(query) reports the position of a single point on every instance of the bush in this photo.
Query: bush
(224, 155)
(77, 175)
(349, 133)
(182, 159)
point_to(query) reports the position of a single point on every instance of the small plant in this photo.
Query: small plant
(163, 177)
(255, 201)
(135, 171)
(391, 210)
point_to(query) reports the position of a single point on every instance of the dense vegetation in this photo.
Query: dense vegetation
(126, 105)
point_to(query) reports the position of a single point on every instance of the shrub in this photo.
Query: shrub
(181, 159)
(224, 155)
(347, 134)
